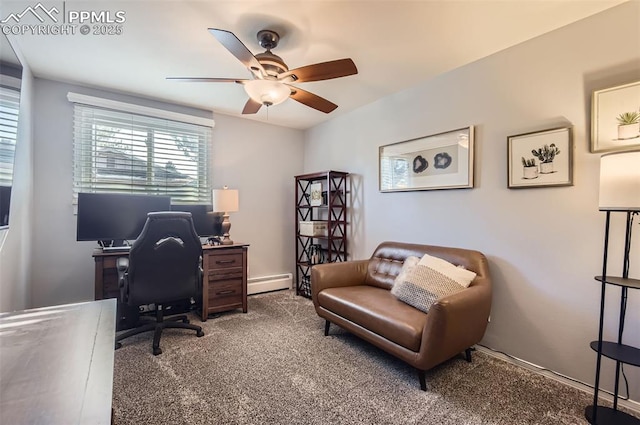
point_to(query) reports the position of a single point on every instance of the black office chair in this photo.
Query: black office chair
(164, 266)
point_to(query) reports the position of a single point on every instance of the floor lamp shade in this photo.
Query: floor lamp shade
(225, 201)
(620, 181)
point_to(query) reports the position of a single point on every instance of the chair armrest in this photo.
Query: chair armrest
(122, 265)
(200, 279)
(331, 275)
(455, 323)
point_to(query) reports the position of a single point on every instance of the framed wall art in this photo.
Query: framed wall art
(540, 159)
(438, 161)
(615, 118)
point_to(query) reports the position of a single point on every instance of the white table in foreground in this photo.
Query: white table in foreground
(56, 364)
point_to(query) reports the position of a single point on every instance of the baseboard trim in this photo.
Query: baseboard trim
(257, 285)
(582, 386)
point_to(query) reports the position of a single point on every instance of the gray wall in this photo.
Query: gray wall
(260, 160)
(15, 242)
(544, 245)
(257, 159)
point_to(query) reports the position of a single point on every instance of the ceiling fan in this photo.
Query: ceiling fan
(271, 78)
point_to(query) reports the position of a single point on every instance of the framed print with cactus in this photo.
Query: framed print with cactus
(541, 159)
(438, 161)
(615, 118)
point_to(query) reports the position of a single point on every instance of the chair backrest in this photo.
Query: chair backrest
(164, 262)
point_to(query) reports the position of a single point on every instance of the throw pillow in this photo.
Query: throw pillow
(429, 280)
(409, 263)
(460, 274)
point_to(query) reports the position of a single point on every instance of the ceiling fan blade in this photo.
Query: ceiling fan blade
(312, 100)
(321, 71)
(237, 49)
(251, 107)
(207, 80)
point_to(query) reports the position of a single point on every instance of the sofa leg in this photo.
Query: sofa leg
(326, 327)
(467, 354)
(423, 379)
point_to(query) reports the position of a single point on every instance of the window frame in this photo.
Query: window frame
(167, 132)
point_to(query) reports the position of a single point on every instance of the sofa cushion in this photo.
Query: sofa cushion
(377, 310)
(387, 260)
(431, 279)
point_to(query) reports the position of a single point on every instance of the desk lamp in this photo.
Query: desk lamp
(225, 200)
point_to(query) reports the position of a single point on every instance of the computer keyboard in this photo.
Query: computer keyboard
(125, 248)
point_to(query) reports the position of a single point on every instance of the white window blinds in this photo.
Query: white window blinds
(9, 107)
(123, 152)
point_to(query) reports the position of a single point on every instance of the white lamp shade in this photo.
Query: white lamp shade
(225, 200)
(267, 92)
(620, 181)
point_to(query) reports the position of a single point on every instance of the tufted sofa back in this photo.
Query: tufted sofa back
(386, 262)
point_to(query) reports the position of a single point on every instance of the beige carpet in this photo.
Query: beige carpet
(274, 365)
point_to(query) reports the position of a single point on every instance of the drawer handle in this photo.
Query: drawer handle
(229, 291)
(225, 261)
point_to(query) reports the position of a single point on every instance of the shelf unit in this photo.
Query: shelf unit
(621, 353)
(333, 210)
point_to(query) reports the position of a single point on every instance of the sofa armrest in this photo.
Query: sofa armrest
(331, 275)
(457, 322)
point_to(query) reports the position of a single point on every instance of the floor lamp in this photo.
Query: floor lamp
(225, 200)
(619, 192)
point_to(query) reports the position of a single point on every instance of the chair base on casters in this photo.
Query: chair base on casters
(157, 325)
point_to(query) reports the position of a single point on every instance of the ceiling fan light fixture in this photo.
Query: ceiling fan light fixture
(267, 92)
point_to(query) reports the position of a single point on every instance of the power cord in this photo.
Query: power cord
(553, 372)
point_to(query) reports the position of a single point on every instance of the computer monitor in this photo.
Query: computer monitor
(5, 196)
(114, 216)
(206, 222)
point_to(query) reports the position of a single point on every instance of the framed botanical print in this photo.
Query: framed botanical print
(615, 118)
(540, 159)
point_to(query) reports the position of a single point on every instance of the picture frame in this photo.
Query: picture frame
(540, 158)
(438, 161)
(615, 118)
(316, 194)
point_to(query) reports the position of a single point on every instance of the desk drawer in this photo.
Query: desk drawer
(225, 292)
(110, 262)
(224, 274)
(224, 261)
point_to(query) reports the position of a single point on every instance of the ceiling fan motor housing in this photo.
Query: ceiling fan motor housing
(271, 63)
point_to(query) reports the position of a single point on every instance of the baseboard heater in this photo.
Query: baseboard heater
(256, 285)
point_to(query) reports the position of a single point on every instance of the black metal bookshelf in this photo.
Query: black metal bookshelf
(332, 247)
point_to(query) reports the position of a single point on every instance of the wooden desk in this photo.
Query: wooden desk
(224, 270)
(57, 364)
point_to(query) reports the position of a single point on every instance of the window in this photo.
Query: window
(123, 152)
(9, 107)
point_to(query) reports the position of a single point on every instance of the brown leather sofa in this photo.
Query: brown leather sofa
(355, 295)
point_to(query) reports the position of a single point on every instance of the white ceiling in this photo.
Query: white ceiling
(395, 45)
